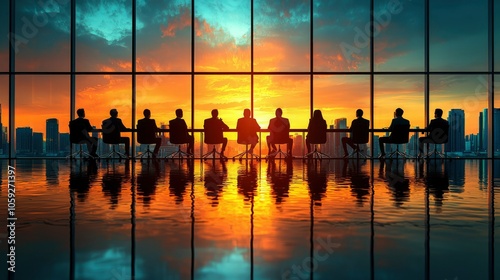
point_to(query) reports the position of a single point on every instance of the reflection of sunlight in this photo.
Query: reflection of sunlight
(113, 263)
(231, 266)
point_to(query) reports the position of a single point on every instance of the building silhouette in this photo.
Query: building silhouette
(64, 143)
(337, 137)
(456, 133)
(52, 134)
(483, 130)
(37, 143)
(24, 140)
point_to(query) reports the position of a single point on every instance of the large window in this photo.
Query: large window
(4, 115)
(336, 56)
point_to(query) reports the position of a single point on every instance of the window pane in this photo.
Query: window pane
(281, 35)
(399, 35)
(4, 115)
(42, 35)
(342, 35)
(330, 96)
(163, 95)
(163, 36)
(4, 40)
(458, 35)
(99, 94)
(463, 99)
(42, 114)
(405, 92)
(103, 35)
(222, 35)
(291, 94)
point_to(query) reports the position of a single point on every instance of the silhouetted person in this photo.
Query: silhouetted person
(214, 131)
(247, 128)
(147, 132)
(179, 132)
(79, 129)
(398, 120)
(147, 180)
(316, 130)
(438, 131)
(357, 124)
(112, 128)
(279, 133)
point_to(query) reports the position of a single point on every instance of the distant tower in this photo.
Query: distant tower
(37, 143)
(456, 134)
(52, 133)
(24, 140)
(337, 140)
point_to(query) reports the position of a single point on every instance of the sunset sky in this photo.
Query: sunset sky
(458, 42)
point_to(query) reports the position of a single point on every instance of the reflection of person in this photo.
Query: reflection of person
(79, 132)
(214, 182)
(247, 181)
(317, 179)
(112, 127)
(356, 125)
(398, 120)
(280, 181)
(80, 180)
(216, 127)
(179, 178)
(247, 128)
(148, 129)
(147, 180)
(279, 128)
(438, 131)
(316, 130)
(179, 132)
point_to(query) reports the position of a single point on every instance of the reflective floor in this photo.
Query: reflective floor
(255, 220)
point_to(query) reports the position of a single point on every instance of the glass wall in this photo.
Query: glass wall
(206, 62)
(4, 115)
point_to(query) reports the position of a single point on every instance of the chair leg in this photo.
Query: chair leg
(213, 153)
(316, 154)
(246, 153)
(80, 153)
(180, 154)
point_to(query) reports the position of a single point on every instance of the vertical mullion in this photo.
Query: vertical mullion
(251, 58)
(426, 63)
(491, 70)
(134, 69)
(372, 95)
(12, 80)
(192, 63)
(311, 65)
(72, 98)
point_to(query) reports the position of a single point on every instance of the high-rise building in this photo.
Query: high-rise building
(456, 133)
(480, 133)
(37, 143)
(64, 142)
(337, 140)
(24, 140)
(52, 134)
(496, 136)
(483, 130)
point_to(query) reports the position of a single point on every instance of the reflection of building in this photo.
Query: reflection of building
(52, 134)
(456, 133)
(37, 143)
(24, 140)
(337, 140)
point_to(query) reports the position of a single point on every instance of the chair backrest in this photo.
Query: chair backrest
(76, 132)
(439, 134)
(146, 132)
(360, 131)
(110, 133)
(317, 132)
(400, 134)
(178, 132)
(213, 132)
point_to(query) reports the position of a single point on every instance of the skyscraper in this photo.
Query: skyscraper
(37, 143)
(337, 140)
(52, 140)
(456, 133)
(64, 142)
(480, 133)
(24, 140)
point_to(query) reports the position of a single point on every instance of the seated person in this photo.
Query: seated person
(146, 132)
(398, 120)
(79, 129)
(316, 130)
(438, 131)
(214, 128)
(247, 128)
(111, 129)
(358, 124)
(279, 128)
(179, 132)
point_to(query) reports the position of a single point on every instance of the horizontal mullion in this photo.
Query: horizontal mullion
(256, 73)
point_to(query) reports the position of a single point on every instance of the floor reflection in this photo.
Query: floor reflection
(257, 219)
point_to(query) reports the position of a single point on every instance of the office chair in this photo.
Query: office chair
(400, 134)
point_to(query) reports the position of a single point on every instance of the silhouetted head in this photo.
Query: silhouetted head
(215, 113)
(113, 113)
(80, 112)
(438, 113)
(359, 113)
(147, 113)
(399, 112)
(246, 113)
(317, 114)
(279, 112)
(178, 113)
